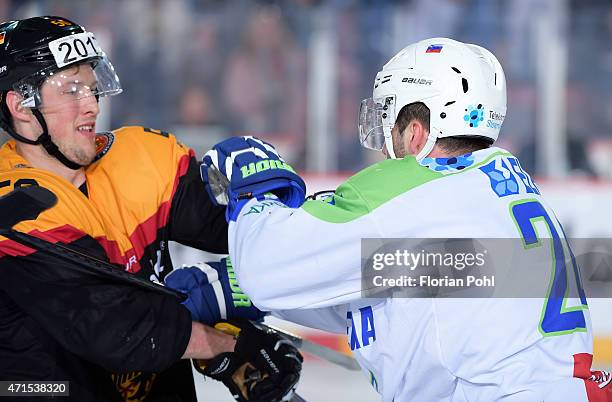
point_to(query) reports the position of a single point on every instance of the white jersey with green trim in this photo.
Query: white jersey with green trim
(304, 265)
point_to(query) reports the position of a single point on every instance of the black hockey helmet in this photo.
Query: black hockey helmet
(33, 50)
(24, 49)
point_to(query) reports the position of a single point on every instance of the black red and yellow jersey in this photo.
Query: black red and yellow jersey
(143, 190)
(148, 186)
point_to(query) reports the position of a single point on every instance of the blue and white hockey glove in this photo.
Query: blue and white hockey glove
(213, 292)
(245, 168)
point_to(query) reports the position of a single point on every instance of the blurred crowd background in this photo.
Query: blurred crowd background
(294, 71)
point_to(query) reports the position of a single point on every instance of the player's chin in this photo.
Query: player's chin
(84, 155)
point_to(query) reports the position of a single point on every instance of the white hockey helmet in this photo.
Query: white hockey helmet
(463, 86)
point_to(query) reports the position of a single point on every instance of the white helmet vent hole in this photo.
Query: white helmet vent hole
(449, 103)
(464, 83)
(455, 69)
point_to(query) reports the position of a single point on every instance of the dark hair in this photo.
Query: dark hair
(412, 111)
(453, 145)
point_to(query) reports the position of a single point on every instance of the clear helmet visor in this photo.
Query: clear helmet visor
(69, 86)
(376, 119)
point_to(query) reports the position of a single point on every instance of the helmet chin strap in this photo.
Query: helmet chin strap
(429, 145)
(389, 145)
(44, 139)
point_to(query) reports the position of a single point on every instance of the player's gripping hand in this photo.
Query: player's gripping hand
(241, 168)
(212, 292)
(263, 367)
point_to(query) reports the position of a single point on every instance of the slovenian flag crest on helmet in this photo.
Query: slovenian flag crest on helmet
(434, 49)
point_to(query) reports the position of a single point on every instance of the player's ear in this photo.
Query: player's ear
(18, 111)
(415, 136)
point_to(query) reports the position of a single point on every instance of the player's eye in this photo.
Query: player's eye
(70, 90)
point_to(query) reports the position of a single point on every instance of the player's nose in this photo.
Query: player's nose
(90, 106)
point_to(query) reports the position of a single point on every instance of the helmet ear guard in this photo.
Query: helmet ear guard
(462, 85)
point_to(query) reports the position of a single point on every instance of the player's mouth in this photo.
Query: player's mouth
(88, 130)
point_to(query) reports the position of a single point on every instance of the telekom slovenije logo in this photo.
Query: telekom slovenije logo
(474, 115)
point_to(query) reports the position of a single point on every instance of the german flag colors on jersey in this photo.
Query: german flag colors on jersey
(143, 190)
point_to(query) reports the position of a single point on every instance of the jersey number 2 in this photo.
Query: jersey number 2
(556, 319)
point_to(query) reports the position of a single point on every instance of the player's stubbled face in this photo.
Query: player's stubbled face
(70, 110)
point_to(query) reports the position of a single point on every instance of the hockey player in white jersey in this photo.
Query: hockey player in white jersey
(436, 110)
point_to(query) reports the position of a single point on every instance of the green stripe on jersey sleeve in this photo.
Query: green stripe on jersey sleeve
(379, 183)
(370, 188)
